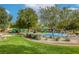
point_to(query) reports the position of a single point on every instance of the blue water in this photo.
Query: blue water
(54, 34)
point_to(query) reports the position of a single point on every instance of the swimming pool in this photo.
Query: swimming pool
(53, 34)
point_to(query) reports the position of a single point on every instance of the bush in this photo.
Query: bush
(33, 36)
(28, 35)
(67, 39)
(14, 31)
(57, 38)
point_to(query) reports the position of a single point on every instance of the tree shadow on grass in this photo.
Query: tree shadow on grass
(17, 49)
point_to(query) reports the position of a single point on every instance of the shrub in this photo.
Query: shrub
(57, 38)
(67, 39)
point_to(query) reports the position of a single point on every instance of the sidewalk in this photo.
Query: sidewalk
(59, 43)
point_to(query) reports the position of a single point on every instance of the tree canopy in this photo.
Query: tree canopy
(27, 18)
(60, 18)
(5, 18)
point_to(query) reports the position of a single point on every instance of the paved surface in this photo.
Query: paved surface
(62, 43)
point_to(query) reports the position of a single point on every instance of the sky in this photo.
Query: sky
(14, 8)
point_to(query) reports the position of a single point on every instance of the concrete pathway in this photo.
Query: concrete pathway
(60, 43)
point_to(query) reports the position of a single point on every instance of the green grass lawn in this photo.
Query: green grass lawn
(18, 45)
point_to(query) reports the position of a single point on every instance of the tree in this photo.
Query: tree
(71, 26)
(27, 18)
(49, 16)
(69, 19)
(5, 18)
(60, 18)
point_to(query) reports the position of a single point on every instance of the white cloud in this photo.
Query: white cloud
(37, 6)
(73, 8)
(46, 5)
(8, 11)
(40, 5)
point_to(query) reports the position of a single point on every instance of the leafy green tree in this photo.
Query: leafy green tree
(27, 18)
(49, 16)
(60, 18)
(5, 18)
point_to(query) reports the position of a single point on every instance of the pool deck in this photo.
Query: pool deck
(59, 43)
(74, 41)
